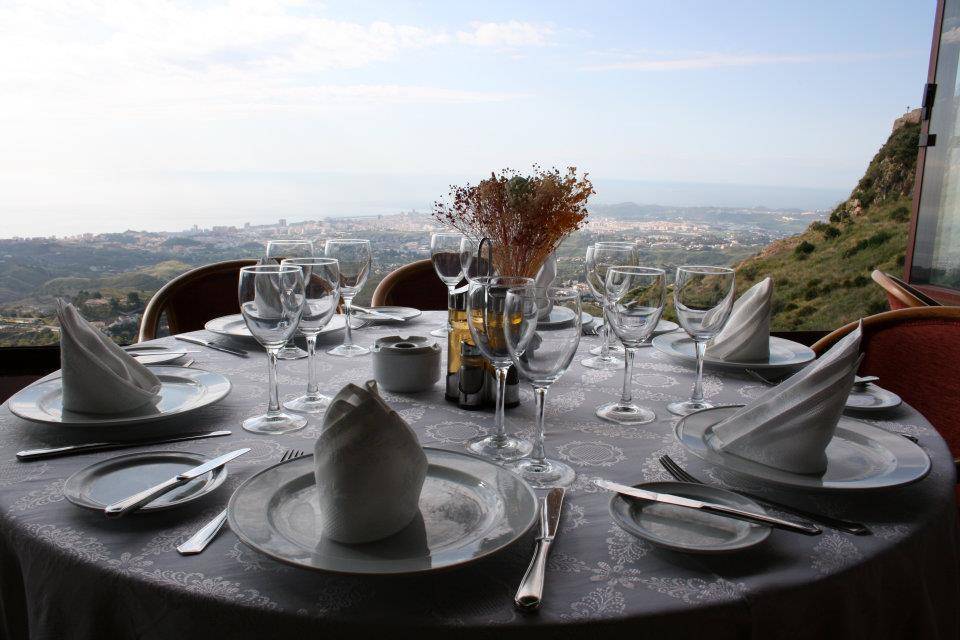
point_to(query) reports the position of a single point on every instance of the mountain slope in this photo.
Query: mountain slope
(822, 276)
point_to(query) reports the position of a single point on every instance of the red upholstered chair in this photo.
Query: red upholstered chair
(915, 352)
(193, 298)
(901, 295)
(412, 285)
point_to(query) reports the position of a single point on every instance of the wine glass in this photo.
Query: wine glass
(703, 297)
(445, 255)
(486, 299)
(636, 296)
(600, 257)
(354, 257)
(321, 292)
(470, 263)
(541, 355)
(277, 250)
(271, 301)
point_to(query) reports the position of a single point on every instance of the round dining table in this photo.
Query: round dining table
(69, 572)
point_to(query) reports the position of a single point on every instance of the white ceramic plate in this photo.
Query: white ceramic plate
(688, 530)
(784, 354)
(469, 508)
(236, 327)
(183, 390)
(871, 398)
(860, 457)
(407, 313)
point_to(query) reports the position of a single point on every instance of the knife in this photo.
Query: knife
(137, 500)
(379, 314)
(212, 345)
(74, 449)
(530, 593)
(709, 507)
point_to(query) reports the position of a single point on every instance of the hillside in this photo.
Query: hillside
(822, 276)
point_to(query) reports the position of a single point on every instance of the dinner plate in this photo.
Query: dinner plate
(113, 479)
(236, 327)
(182, 390)
(665, 326)
(871, 398)
(469, 508)
(784, 354)
(148, 354)
(407, 313)
(860, 457)
(559, 316)
(688, 530)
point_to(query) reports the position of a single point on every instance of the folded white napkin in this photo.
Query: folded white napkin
(97, 375)
(746, 336)
(545, 277)
(789, 426)
(370, 468)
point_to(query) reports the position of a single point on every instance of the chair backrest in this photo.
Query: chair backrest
(412, 285)
(193, 298)
(915, 353)
(901, 295)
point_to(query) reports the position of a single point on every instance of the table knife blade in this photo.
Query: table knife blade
(76, 449)
(212, 345)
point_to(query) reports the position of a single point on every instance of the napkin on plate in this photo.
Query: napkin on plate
(97, 375)
(545, 277)
(789, 426)
(746, 336)
(369, 468)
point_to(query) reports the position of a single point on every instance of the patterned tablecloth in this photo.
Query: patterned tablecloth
(68, 572)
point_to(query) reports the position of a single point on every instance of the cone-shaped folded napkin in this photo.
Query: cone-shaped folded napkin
(370, 468)
(790, 425)
(97, 375)
(746, 336)
(545, 277)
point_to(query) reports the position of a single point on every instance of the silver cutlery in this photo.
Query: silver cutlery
(212, 345)
(379, 314)
(530, 594)
(75, 449)
(166, 354)
(847, 526)
(205, 534)
(137, 500)
(710, 507)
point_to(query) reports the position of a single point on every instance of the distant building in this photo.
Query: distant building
(282, 222)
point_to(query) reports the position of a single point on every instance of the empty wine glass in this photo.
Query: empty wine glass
(271, 301)
(354, 257)
(600, 257)
(471, 264)
(636, 296)
(542, 355)
(321, 292)
(277, 250)
(703, 297)
(486, 299)
(445, 255)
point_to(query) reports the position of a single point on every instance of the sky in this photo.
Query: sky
(158, 115)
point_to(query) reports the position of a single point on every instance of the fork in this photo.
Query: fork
(847, 526)
(205, 534)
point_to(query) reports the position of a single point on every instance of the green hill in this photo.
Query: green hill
(822, 276)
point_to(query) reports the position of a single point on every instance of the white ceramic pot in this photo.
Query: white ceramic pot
(406, 365)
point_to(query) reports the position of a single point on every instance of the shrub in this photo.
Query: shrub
(900, 214)
(804, 248)
(875, 240)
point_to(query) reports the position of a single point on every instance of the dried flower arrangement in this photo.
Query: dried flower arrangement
(525, 216)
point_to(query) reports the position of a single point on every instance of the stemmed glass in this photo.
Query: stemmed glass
(321, 290)
(271, 301)
(354, 257)
(277, 250)
(445, 255)
(472, 265)
(541, 355)
(600, 257)
(636, 296)
(486, 299)
(703, 297)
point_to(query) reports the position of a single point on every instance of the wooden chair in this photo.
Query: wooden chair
(412, 285)
(901, 295)
(915, 353)
(193, 298)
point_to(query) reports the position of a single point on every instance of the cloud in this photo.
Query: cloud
(506, 35)
(721, 60)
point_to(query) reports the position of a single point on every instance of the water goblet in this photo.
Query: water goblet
(271, 301)
(321, 292)
(486, 299)
(703, 298)
(600, 257)
(636, 296)
(472, 265)
(277, 250)
(445, 255)
(354, 258)
(541, 355)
